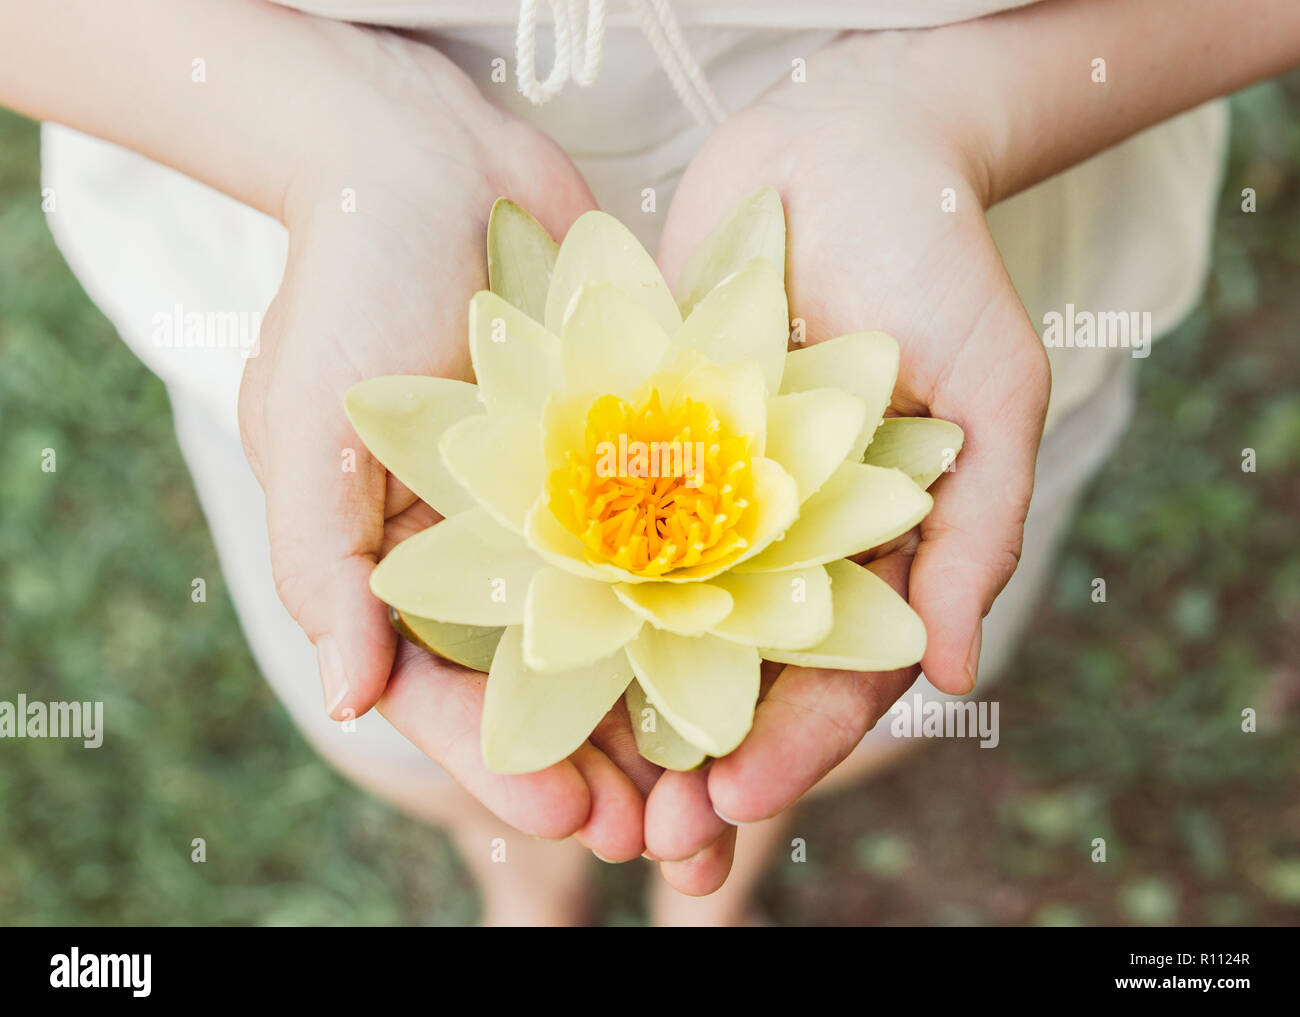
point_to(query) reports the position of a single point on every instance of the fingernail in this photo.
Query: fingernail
(691, 858)
(607, 861)
(730, 822)
(649, 857)
(973, 658)
(332, 676)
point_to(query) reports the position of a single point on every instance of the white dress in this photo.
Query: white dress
(1127, 230)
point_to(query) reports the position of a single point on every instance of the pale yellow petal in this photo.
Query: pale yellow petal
(401, 418)
(499, 461)
(737, 394)
(570, 622)
(922, 447)
(863, 363)
(469, 645)
(610, 342)
(564, 422)
(520, 257)
(705, 686)
(874, 630)
(755, 228)
(532, 720)
(811, 433)
(743, 318)
(599, 248)
(678, 362)
(656, 739)
(468, 569)
(689, 609)
(859, 508)
(788, 609)
(516, 361)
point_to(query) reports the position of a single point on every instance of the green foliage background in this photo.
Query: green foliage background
(1121, 721)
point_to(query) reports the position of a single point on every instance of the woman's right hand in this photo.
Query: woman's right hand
(384, 289)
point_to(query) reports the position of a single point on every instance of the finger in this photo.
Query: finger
(325, 521)
(407, 523)
(438, 706)
(997, 390)
(707, 871)
(615, 824)
(614, 737)
(809, 722)
(397, 498)
(680, 816)
(679, 819)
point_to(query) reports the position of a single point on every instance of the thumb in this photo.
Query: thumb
(997, 392)
(325, 499)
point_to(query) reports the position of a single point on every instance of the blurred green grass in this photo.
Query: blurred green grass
(1120, 721)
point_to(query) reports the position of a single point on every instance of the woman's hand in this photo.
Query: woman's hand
(387, 244)
(884, 196)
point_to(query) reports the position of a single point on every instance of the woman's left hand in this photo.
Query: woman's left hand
(884, 198)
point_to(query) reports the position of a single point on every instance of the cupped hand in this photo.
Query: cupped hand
(884, 203)
(386, 247)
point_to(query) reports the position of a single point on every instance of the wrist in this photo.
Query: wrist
(402, 127)
(919, 87)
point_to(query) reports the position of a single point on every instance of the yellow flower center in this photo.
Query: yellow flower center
(655, 489)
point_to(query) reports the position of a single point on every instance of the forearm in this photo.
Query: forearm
(1019, 89)
(272, 91)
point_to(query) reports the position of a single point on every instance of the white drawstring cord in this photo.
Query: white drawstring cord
(526, 53)
(585, 74)
(564, 15)
(657, 22)
(679, 62)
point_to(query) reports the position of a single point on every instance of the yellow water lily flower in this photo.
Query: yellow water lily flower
(648, 496)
